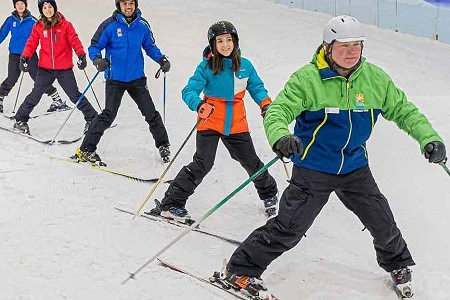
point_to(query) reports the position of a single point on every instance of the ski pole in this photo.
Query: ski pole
(286, 171)
(73, 109)
(204, 217)
(443, 165)
(165, 170)
(18, 92)
(92, 89)
(164, 100)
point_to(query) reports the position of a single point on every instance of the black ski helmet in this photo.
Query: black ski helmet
(221, 27)
(41, 4)
(118, 4)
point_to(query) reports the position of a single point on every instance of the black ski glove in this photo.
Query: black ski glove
(264, 110)
(165, 64)
(101, 64)
(287, 146)
(82, 63)
(435, 152)
(24, 64)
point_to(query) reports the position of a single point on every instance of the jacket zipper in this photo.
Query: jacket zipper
(347, 86)
(51, 46)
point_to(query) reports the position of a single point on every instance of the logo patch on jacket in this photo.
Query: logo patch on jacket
(359, 99)
(14, 24)
(45, 34)
(119, 32)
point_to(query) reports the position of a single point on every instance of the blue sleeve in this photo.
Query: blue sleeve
(196, 84)
(100, 40)
(4, 30)
(149, 44)
(255, 86)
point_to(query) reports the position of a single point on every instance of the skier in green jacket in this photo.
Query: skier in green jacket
(335, 101)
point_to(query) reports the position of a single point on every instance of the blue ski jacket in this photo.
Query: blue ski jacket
(20, 31)
(123, 44)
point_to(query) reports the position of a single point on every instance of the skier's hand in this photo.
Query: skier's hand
(164, 64)
(204, 110)
(287, 146)
(82, 63)
(24, 64)
(101, 64)
(435, 152)
(264, 110)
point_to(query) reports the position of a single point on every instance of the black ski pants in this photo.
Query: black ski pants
(300, 204)
(14, 74)
(44, 80)
(137, 89)
(240, 146)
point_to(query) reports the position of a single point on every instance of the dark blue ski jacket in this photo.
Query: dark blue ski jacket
(123, 44)
(20, 31)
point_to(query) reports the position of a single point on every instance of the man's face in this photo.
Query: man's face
(127, 8)
(346, 54)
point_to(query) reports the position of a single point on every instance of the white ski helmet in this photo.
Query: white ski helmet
(343, 29)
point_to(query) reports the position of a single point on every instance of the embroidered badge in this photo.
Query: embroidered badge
(45, 34)
(14, 24)
(119, 32)
(359, 98)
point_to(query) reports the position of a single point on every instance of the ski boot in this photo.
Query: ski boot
(252, 287)
(57, 104)
(21, 127)
(88, 156)
(270, 206)
(179, 214)
(402, 280)
(164, 151)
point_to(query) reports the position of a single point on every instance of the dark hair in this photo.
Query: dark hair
(215, 62)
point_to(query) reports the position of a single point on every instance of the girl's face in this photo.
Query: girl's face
(20, 7)
(224, 44)
(47, 10)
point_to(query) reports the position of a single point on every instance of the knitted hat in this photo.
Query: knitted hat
(41, 4)
(24, 1)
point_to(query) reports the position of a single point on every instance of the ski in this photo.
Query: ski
(178, 224)
(211, 281)
(42, 140)
(102, 167)
(10, 116)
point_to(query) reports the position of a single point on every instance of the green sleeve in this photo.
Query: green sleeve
(288, 104)
(407, 116)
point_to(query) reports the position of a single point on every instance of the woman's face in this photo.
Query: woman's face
(47, 10)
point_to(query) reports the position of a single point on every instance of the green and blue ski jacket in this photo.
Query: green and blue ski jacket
(335, 116)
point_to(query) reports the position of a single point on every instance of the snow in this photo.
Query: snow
(63, 239)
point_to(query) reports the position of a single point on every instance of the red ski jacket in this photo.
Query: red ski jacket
(56, 45)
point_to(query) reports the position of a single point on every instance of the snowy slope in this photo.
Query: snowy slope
(62, 239)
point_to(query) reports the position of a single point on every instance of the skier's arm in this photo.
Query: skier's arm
(32, 42)
(288, 104)
(149, 43)
(100, 40)
(258, 92)
(407, 116)
(4, 30)
(74, 40)
(196, 84)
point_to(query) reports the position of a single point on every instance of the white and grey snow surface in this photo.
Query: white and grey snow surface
(61, 237)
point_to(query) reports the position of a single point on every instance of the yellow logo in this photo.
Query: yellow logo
(359, 99)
